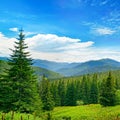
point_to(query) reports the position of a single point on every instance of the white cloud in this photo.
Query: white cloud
(103, 31)
(62, 49)
(29, 33)
(5, 44)
(80, 55)
(65, 49)
(53, 43)
(112, 19)
(13, 29)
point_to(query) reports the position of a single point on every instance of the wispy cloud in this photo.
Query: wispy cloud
(99, 29)
(112, 19)
(103, 31)
(14, 29)
(104, 2)
(29, 33)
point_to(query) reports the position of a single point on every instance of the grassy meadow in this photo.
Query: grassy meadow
(87, 112)
(84, 112)
(18, 116)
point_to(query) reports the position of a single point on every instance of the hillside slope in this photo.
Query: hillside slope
(38, 71)
(48, 73)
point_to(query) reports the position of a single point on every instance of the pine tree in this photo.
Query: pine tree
(45, 93)
(20, 80)
(94, 90)
(70, 95)
(85, 92)
(78, 90)
(107, 94)
(54, 91)
(62, 92)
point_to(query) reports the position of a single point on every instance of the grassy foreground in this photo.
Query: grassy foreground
(87, 112)
(18, 116)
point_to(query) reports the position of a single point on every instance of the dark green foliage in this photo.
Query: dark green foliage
(45, 93)
(54, 91)
(20, 81)
(5, 95)
(78, 90)
(94, 90)
(117, 84)
(85, 90)
(70, 95)
(107, 94)
(62, 92)
(3, 66)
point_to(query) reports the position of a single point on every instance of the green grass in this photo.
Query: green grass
(84, 112)
(18, 116)
(88, 112)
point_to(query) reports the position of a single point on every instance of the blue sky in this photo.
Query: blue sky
(63, 30)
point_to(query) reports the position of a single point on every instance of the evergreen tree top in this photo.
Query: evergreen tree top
(21, 35)
(21, 30)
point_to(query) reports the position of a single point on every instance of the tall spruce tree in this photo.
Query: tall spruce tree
(107, 93)
(20, 80)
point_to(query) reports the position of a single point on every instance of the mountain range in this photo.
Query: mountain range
(74, 69)
(60, 69)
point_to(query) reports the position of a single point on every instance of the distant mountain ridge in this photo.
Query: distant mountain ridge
(4, 58)
(75, 69)
(50, 65)
(92, 67)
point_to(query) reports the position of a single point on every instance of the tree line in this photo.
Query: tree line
(21, 91)
(87, 89)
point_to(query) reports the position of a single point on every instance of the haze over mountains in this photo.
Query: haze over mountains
(59, 69)
(73, 69)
